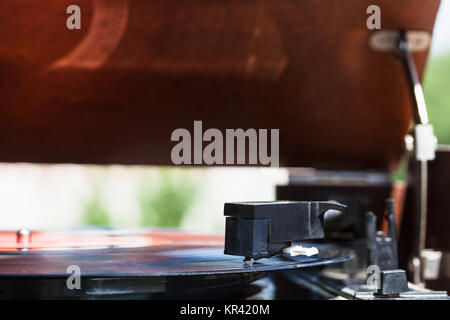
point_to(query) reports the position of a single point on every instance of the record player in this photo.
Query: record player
(346, 99)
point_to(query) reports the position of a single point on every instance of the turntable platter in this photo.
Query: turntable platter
(145, 263)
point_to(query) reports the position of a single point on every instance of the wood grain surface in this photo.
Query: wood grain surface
(114, 91)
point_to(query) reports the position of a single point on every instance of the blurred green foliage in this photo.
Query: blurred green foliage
(95, 213)
(437, 95)
(165, 205)
(164, 197)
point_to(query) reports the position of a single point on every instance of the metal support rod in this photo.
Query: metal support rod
(420, 117)
(416, 91)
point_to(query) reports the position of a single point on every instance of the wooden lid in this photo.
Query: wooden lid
(114, 91)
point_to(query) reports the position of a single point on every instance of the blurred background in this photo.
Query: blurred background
(68, 196)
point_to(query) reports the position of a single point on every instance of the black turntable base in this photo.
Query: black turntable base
(157, 264)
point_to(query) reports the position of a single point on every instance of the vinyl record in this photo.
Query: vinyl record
(143, 264)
